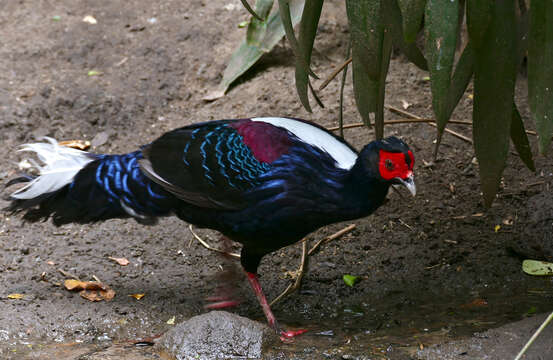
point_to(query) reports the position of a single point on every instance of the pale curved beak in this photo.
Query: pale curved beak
(409, 184)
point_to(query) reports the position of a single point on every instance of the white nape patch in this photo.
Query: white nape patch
(344, 156)
(61, 164)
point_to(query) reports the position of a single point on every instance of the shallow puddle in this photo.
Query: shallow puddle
(363, 331)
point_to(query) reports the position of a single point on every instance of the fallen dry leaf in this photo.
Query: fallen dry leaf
(72, 284)
(93, 295)
(120, 261)
(476, 303)
(51, 263)
(171, 321)
(137, 296)
(76, 144)
(16, 296)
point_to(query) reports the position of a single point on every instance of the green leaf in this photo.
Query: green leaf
(534, 267)
(248, 54)
(286, 17)
(495, 70)
(371, 47)
(441, 26)
(259, 17)
(479, 15)
(350, 280)
(384, 65)
(540, 74)
(367, 32)
(412, 12)
(409, 49)
(531, 311)
(461, 78)
(308, 30)
(93, 73)
(520, 140)
(459, 82)
(256, 27)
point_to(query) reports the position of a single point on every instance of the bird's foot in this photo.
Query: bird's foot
(220, 302)
(288, 336)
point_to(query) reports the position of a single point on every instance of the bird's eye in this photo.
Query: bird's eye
(389, 164)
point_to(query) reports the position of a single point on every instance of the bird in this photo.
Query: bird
(265, 182)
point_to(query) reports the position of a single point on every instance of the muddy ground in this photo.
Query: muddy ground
(433, 269)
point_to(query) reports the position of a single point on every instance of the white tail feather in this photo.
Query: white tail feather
(61, 164)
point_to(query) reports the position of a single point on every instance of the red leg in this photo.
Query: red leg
(256, 286)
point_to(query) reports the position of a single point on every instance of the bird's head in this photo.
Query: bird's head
(392, 161)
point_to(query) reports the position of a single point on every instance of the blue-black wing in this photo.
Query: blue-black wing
(207, 165)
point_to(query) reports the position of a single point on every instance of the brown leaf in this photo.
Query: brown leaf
(137, 296)
(98, 295)
(107, 294)
(16, 296)
(121, 261)
(476, 303)
(76, 144)
(72, 284)
(91, 295)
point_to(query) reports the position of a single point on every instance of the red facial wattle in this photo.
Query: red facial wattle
(395, 165)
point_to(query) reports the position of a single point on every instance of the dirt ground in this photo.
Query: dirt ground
(433, 268)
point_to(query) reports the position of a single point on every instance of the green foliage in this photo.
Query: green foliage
(350, 280)
(539, 268)
(501, 33)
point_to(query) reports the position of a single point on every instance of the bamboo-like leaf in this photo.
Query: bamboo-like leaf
(520, 140)
(308, 30)
(461, 78)
(256, 27)
(494, 82)
(248, 54)
(412, 12)
(479, 14)
(441, 41)
(286, 17)
(540, 73)
(367, 32)
(394, 23)
(459, 82)
(384, 64)
(250, 10)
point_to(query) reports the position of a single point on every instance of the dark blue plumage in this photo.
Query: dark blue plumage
(265, 182)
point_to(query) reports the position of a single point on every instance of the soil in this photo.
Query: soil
(432, 268)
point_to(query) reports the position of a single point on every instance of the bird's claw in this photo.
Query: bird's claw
(287, 336)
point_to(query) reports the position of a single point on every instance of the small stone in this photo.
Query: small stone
(100, 139)
(217, 335)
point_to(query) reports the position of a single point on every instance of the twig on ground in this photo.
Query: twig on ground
(336, 235)
(399, 121)
(206, 245)
(301, 271)
(406, 225)
(413, 116)
(68, 274)
(334, 73)
(536, 334)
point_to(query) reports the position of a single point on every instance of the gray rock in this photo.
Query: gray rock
(217, 335)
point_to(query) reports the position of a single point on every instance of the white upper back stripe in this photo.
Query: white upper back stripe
(344, 156)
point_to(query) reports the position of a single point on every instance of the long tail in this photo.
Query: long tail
(77, 186)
